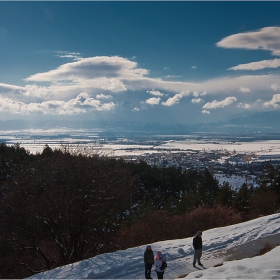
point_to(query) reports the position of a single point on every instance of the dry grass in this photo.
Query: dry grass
(267, 247)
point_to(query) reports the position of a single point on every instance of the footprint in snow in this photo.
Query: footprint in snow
(181, 251)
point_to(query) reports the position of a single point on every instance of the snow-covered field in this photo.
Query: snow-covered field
(235, 181)
(265, 147)
(35, 140)
(219, 246)
(260, 147)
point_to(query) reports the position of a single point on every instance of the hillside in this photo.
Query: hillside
(220, 245)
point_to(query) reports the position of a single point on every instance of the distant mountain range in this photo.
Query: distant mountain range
(263, 119)
(259, 122)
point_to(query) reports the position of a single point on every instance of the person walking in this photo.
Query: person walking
(197, 245)
(149, 261)
(159, 259)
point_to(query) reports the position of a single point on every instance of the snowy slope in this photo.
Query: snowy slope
(261, 267)
(218, 245)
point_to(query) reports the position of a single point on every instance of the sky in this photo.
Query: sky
(233, 246)
(162, 62)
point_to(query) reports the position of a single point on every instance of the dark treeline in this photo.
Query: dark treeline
(63, 206)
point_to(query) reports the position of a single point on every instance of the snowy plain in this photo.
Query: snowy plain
(234, 246)
(35, 140)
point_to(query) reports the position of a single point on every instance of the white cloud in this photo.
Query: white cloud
(84, 101)
(9, 105)
(223, 85)
(103, 96)
(197, 94)
(226, 85)
(87, 74)
(244, 106)
(244, 90)
(92, 68)
(155, 92)
(267, 38)
(194, 67)
(171, 76)
(116, 74)
(197, 100)
(37, 92)
(110, 84)
(153, 101)
(135, 109)
(173, 100)
(219, 104)
(275, 87)
(120, 75)
(71, 55)
(274, 102)
(205, 112)
(106, 107)
(10, 87)
(273, 63)
(81, 104)
(166, 68)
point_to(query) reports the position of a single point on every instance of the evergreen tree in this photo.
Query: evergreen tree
(243, 198)
(269, 180)
(226, 195)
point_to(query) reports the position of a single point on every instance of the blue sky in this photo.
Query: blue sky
(151, 62)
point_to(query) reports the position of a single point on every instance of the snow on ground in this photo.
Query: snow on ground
(235, 181)
(219, 245)
(261, 267)
(262, 147)
(35, 140)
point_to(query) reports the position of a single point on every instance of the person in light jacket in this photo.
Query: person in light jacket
(159, 258)
(197, 245)
(149, 261)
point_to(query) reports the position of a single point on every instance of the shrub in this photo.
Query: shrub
(264, 203)
(159, 225)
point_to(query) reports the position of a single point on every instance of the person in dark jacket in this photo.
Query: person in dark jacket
(149, 261)
(197, 245)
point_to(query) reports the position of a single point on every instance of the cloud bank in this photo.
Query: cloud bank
(61, 90)
(81, 104)
(103, 83)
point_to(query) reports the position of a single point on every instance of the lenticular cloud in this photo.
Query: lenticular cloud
(267, 38)
(92, 68)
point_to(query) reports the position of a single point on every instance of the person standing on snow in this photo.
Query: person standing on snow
(159, 258)
(197, 245)
(149, 261)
